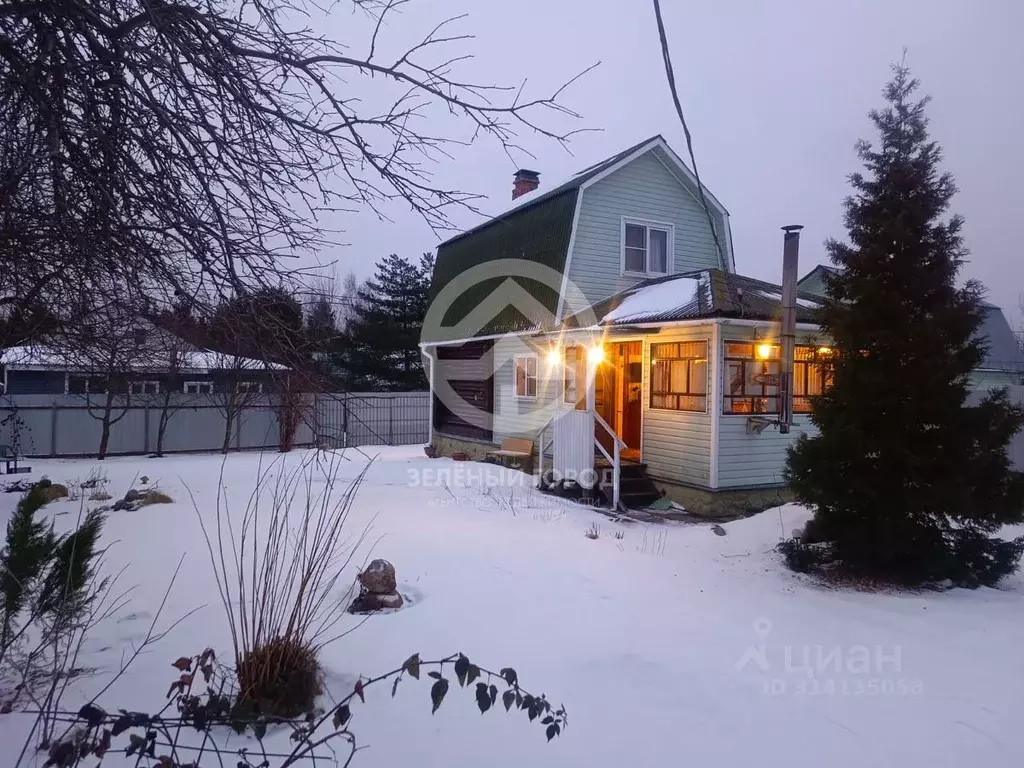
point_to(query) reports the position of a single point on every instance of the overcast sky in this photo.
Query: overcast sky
(775, 92)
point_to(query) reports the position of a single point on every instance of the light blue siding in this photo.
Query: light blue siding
(646, 190)
(752, 461)
(676, 444)
(514, 417)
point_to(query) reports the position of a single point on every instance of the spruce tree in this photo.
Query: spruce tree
(907, 481)
(382, 339)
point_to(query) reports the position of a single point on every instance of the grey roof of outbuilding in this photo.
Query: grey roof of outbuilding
(1002, 352)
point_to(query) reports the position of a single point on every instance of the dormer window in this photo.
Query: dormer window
(646, 248)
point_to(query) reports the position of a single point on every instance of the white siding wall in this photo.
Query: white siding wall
(677, 444)
(748, 461)
(522, 418)
(644, 189)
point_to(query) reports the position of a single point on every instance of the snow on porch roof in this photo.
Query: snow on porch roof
(693, 295)
(684, 296)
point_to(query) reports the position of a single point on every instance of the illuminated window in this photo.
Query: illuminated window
(811, 376)
(526, 377)
(751, 378)
(679, 376)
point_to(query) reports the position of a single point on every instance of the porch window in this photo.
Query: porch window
(646, 249)
(679, 376)
(526, 377)
(751, 378)
(249, 387)
(198, 388)
(811, 376)
(574, 381)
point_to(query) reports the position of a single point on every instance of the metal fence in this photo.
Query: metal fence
(71, 425)
(352, 419)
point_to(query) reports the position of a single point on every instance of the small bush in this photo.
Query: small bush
(802, 557)
(53, 491)
(280, 678)
(154, 497)
(593, 532)
(812, 532)
(100, 496)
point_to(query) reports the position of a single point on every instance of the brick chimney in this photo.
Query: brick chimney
(524, 181)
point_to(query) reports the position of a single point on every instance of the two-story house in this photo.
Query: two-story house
(603, 319)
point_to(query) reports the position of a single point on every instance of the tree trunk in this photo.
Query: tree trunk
(229, 423)
(108, 406)
(161, 430)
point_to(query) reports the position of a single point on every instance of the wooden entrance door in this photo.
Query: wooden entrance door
(618, 384)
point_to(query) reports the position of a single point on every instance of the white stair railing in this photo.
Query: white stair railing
(614, 458)
(541, 448)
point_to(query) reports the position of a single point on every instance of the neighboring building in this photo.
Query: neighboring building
(42, 370)
(814, 281)
(1003, 365)
(625, 333)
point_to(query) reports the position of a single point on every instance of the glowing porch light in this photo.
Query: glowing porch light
(554, 356)
(764, 351)
(595, 354)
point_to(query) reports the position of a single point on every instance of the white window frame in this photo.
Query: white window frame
(650, 358)
(132, 385)
(246, 387)
(199, 385)
(536, 377)
(670, 231)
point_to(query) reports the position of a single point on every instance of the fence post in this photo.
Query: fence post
(344, 421)
(145, 428)
(391, 421)
(53, 429)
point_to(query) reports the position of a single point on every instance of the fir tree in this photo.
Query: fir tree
(907, 480)
(321, 325)
(382, 339)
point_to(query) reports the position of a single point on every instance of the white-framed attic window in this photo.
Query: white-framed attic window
(647, 248)
(198, 388)
(524, 374)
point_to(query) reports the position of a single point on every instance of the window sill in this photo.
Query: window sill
(645, 275)
(678, 410)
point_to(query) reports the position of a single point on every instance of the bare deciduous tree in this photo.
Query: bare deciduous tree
(110, 359)
(185, 146)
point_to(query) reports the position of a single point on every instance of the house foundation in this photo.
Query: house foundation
(449, 446)
(727, 504)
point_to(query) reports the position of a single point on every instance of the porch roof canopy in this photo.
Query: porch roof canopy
(707, 293)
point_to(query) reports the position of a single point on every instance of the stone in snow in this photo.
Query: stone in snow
(379, 578)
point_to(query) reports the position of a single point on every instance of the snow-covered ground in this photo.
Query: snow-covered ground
(668, 646)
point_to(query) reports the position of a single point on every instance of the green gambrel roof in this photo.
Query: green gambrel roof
(537, 229)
